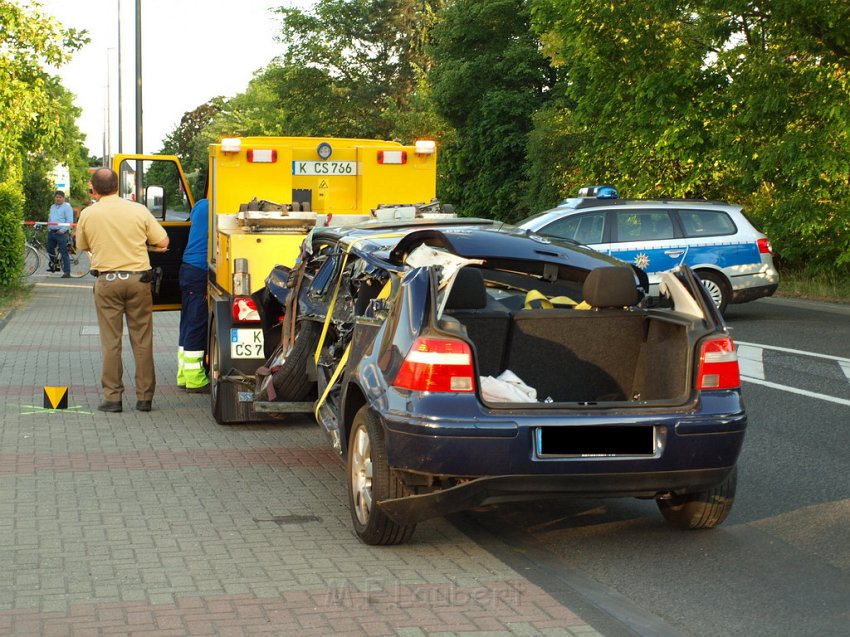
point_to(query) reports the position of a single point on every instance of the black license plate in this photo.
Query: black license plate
(597, 441)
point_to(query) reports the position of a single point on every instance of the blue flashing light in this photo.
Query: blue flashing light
(599, 192)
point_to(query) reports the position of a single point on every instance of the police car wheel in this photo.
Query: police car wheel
(717, 287)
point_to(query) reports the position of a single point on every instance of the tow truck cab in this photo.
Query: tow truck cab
(265, 195)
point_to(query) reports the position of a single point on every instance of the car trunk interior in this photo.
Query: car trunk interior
(604, 354)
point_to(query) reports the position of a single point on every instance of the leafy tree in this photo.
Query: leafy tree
(64, 146)
(352, 68)
(744, 101)
(488, 80)
(11, 234)
(29, 43)
(188, 142)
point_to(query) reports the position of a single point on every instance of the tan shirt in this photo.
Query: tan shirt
(117, 232)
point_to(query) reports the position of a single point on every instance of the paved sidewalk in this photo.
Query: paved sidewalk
(165, 523)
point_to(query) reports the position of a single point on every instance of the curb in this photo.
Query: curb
(6, 318)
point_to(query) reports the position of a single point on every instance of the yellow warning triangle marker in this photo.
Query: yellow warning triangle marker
(56, 398)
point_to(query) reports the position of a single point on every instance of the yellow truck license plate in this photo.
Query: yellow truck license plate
(246, 343)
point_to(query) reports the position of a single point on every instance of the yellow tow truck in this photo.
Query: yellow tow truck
(265, 195)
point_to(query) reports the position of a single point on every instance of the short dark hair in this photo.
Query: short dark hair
(104, 181)
(59, 193)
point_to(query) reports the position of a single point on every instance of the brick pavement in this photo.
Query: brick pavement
(165, 523)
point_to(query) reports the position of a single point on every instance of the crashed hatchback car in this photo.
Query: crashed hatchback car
(461, 363)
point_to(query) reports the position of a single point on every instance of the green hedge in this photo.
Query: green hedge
(11, 234)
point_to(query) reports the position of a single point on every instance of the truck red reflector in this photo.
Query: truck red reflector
(392, 156)
(262, 156)
(437, 365)
(718, 364)
(245, 310)
(764, 246)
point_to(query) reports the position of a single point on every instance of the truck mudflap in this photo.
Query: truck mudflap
(499, 489)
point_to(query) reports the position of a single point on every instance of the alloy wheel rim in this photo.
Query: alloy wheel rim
(714, 292)
(361, 475)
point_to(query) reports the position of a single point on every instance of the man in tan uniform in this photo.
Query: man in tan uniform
(119, 234)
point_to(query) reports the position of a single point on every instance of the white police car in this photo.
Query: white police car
(733, 259)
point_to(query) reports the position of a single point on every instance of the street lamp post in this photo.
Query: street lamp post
(120, 129)
(139, 138)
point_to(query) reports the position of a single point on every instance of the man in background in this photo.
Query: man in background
(59, 223)
(119, 234)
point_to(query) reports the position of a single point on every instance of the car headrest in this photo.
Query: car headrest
(610, 287)
(468, 291)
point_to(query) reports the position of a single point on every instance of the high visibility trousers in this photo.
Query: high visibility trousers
(192, 341)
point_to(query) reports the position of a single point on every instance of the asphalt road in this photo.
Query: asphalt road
(780, 565)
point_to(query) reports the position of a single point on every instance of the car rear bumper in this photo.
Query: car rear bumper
(481, 460)
(516, 488)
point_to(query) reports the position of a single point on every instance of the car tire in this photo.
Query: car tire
(702, 510)
(370, 481)
(717, 287)
(291, 382)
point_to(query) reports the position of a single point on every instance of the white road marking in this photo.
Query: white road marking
(750, 361)
(752, 369)
(796, 351)
(795, 390)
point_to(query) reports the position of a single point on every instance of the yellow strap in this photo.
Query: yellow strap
(329, 317)
(546, 303)
(332, 381)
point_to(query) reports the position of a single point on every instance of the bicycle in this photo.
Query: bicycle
(35, 253)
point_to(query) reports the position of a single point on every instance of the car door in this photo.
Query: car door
(648, 238)
(158, 182)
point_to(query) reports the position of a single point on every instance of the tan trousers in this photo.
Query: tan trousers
(113, 300)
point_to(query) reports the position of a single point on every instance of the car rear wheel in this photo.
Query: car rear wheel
(370, 481)
(718, 288)
(703, 510)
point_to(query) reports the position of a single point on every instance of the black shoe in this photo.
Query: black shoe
(112, 406)
(66, 275)
(199, 390)
(143, 405)
(51, 269)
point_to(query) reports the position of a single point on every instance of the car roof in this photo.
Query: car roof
(593, 202)
(469, 238)
(580, 204)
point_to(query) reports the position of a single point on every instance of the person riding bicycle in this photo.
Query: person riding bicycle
(59, 223)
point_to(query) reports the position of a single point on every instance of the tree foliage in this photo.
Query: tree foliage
(352, 68)
(488, 80)
(737, 100)
(31, 119)
(530, 99)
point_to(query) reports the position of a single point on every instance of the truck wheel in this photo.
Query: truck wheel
(290, 380)
(718, 288)
(216, 399)
(370, 481)
(703, 510)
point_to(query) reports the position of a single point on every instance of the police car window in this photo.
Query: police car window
(644, 225)
(706, 223)
(582, 228)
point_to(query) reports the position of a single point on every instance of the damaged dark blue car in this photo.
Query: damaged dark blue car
(456, 363)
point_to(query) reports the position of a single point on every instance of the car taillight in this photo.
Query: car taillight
(437, 365)
(718, 365)
(245, 310)
(764, 246)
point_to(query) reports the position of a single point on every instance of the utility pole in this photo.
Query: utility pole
(139, 137)
(120, 130)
